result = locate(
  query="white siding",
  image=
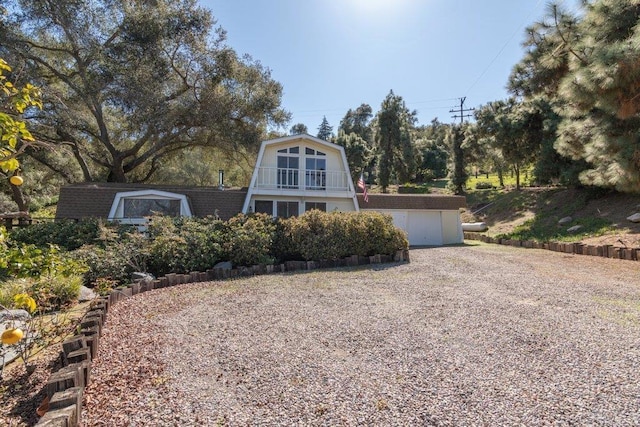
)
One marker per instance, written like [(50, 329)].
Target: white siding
[(451, 228)]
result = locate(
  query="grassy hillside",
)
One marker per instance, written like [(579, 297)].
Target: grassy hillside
[(533, 213)]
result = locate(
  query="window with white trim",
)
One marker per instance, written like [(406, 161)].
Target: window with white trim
[(288, 167), (287, 209), (321, 206), (263, 206), (315, 170), (134, 207)]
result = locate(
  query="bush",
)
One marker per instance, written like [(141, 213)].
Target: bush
[(483, 185), (66, 234), (248, 239), (319, 235), (315, 235), (182, 245), (53, 293), (413, 189), (117, 262)]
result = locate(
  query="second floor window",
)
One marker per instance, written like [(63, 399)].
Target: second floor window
[(316, 175), (288, 171)]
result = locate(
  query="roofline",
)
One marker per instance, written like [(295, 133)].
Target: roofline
[(304, 136)]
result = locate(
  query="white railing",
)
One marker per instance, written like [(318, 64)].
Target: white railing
[(300, 179)]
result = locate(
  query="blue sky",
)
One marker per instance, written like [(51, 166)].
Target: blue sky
[(332, 55)]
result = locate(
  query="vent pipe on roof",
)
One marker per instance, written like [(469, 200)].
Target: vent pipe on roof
[(221, 179)]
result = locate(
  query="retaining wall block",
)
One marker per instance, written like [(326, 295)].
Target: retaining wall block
[(97, 313), (77, 356), (92, 321), (69, 397), (91, 334), (172, 279), (63, 417), (74, 343), (64, 378)]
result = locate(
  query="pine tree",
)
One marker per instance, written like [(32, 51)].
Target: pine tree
[(457, 171), (601, 94), (393, 128), (325, 131), (358, 121)]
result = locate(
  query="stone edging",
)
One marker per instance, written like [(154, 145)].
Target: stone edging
[(66, 386), (606, 251)]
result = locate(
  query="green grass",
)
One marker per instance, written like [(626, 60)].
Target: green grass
[(494, 181), (549, 207), (541, 230)]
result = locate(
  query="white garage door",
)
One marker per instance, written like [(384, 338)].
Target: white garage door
[(424, 228)]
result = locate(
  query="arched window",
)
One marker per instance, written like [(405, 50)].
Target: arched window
[(134, 207)]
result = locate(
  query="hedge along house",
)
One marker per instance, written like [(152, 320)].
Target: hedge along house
[(293, 174)]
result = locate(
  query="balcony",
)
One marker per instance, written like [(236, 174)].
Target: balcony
[(299, 179)]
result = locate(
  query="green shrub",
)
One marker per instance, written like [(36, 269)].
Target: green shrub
[(182, 245), (413, 189), (315, 235), (483, 185), (319, 235), (66, 234), (282, 248), (53, 293), (115, 262), (248, 239)]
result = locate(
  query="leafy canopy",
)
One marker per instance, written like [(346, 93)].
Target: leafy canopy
[(127, 85)]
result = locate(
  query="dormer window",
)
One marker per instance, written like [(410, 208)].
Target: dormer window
[(290, 150), (134, 207), (311, 152)]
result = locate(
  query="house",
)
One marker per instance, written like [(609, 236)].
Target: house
[(293, 174), (298, 173)]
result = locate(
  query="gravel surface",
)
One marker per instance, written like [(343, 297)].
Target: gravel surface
[(474, 335)]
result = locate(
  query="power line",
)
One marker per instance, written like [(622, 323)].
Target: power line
[(518, 30), (462, 111)]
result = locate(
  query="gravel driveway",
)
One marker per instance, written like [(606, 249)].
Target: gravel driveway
[(474, 335)]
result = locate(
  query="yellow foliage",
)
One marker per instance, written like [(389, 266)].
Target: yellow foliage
[(25, 301)]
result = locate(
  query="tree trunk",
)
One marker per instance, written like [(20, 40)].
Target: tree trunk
[(116, 172), (18, 197), (516, 171)]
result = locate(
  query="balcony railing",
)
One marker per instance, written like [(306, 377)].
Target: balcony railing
[(300, 179)]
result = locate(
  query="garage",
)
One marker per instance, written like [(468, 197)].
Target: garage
[(429, 220)]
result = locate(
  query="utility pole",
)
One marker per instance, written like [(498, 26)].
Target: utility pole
[(462, 111)]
